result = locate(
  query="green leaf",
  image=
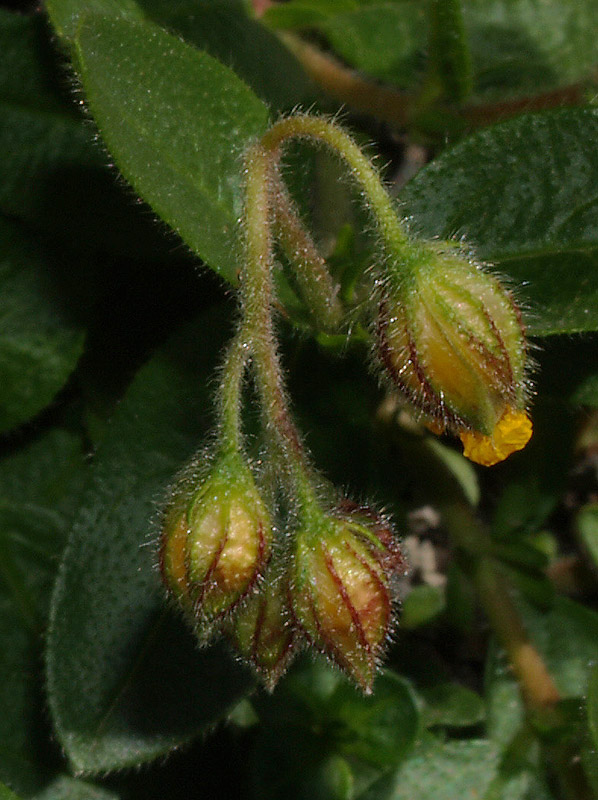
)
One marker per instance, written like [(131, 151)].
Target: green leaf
[(64, 788), (439, 770), (531, 484), (384, 40), (318, 732), (451, 704), (224, 29), (304, 13), (523, 194), (421, 606), (40, 341), (39, 484), (126, 682), (449, 60), (180, 141), (505, 713), (567, 639), (460, 468), (587, 529), (524, 47), (66, 14), (53, 176)]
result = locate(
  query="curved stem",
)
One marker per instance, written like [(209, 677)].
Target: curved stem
[(258, 323), (315, 282), (347, 86), (378, 200)]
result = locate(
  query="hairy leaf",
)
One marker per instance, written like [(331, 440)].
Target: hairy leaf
[(38, 487), (224, 29), (453, 705), (523, 194), (126, 681), (64, 788), (180, 141)]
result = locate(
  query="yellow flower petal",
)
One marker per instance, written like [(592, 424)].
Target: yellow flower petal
[(512, 432)]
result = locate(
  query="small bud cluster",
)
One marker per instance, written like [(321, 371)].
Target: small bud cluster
[(448, 335), (332, 591)]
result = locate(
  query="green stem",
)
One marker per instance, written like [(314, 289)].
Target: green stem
[(258, 324), (377, 198), (315, 282), (230, 391)]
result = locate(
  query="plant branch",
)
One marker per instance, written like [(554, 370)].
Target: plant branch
[(381, 206), (230, 390), (313, 277), (492, 585), (258, 325), (396, 107)]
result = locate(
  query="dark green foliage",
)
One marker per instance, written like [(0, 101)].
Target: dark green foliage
[(111, 327)]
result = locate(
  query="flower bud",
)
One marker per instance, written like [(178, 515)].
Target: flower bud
[(263, 633), (451, 338), (341, 594), (216, 541)]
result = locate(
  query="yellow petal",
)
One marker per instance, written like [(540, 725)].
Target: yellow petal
[(512, 432)]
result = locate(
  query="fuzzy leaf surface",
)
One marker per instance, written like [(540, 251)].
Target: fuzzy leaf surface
[(39, 484), (440, 771), (523, 194), (65, 788), (179, 141), (225, 30), (126, 681)]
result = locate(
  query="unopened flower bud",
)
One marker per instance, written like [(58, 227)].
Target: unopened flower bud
[(341, 593), (451, 338), (263, 633), (216, 541)]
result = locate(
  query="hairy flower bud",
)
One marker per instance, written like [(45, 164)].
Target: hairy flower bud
[(216, 541), (452, 340), (263, 633), (340, 591)]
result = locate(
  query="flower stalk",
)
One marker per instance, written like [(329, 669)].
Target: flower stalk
[(313, 278), (258, 325)]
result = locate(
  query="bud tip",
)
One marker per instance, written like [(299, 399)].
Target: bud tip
[(511, 433)]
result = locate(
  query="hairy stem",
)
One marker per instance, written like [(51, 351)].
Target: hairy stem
[(258, 326), (315, 282), (230, 391), (377, 198)]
